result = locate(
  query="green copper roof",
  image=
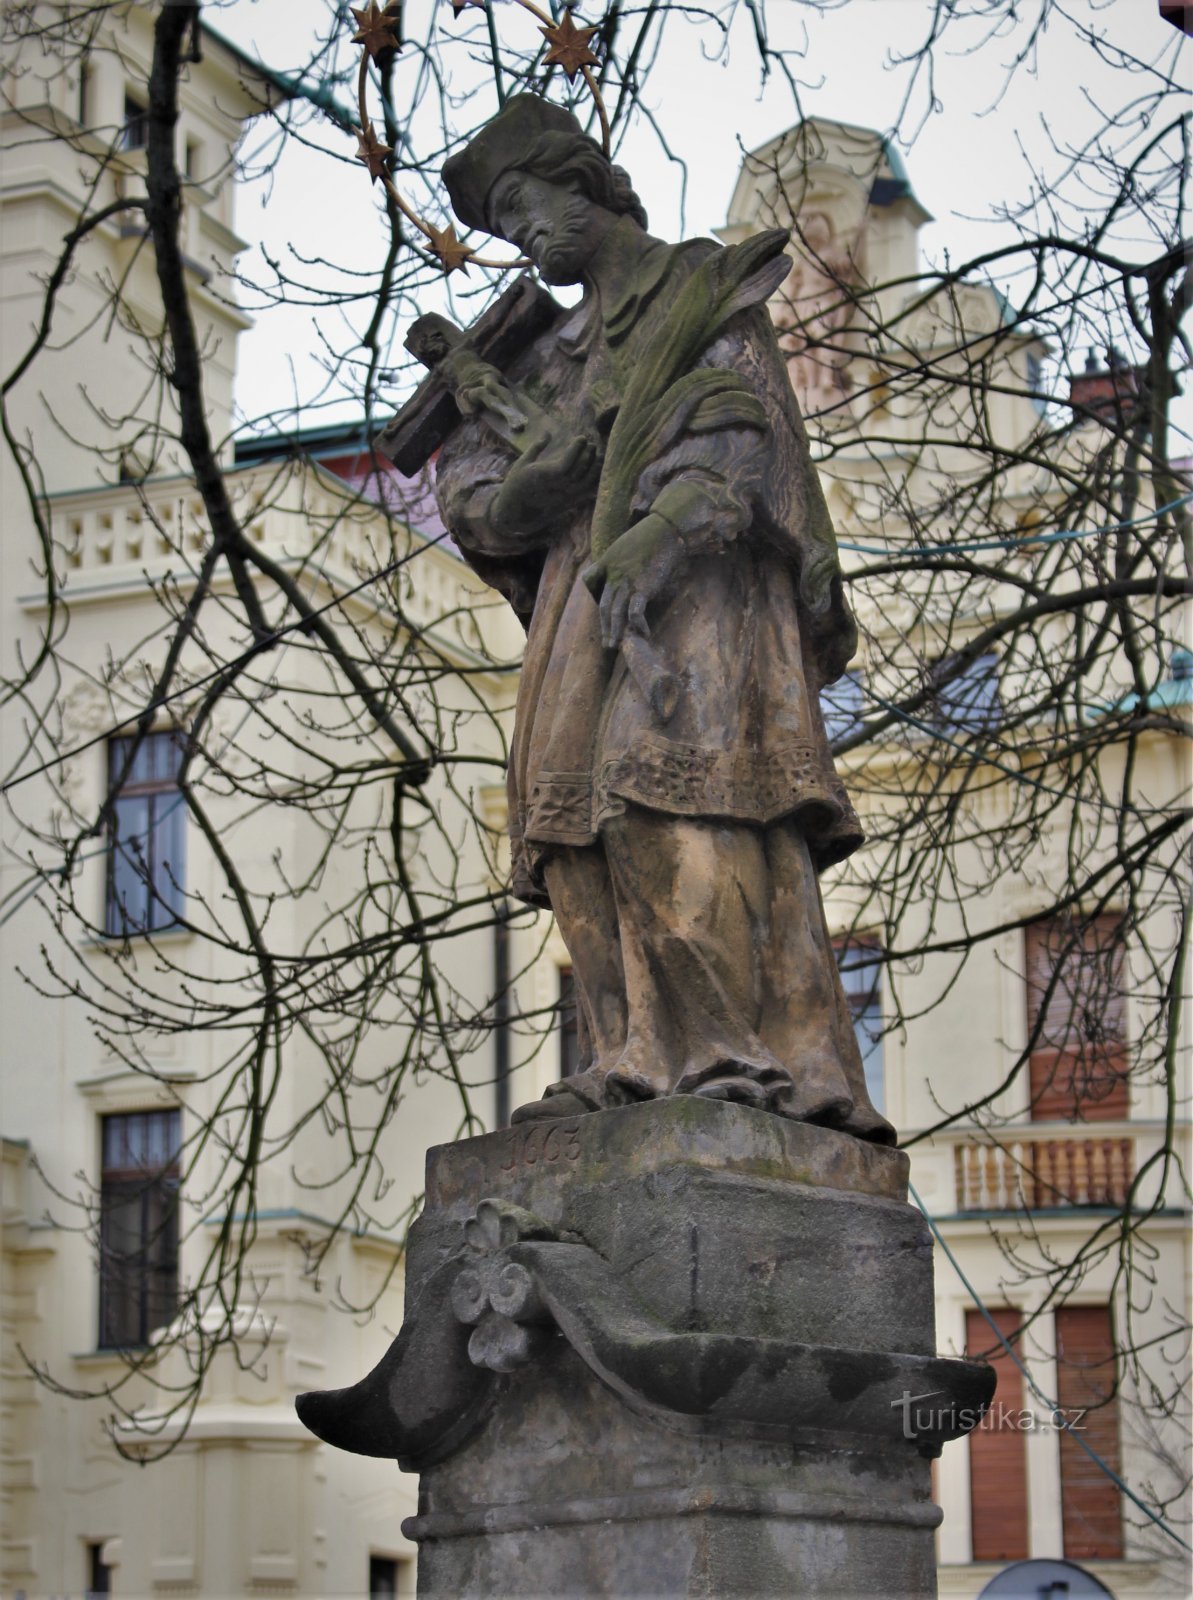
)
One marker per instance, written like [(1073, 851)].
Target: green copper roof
[(1173, 693), (895, 162)]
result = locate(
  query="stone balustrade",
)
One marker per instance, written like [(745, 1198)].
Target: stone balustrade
[(128, 534), (1042, 1170)]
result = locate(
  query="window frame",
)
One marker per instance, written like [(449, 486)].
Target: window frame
[(860, 1003), (1091, 1504), (949, 712), (387, 1568), (163, 876), (1078, 1078), (99, 1573), (568, 1022), (842, 721), (138, 1287), (134, 128), (999, 1486)]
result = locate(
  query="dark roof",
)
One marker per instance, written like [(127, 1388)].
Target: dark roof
[(330, 438), (290, 86), (344, 449)]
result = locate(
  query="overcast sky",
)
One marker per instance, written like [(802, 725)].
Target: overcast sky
[(967, 145)]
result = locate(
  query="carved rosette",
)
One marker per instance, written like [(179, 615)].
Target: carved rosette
[(494, 1296)]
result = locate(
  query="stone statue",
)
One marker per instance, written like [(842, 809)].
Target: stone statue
[(654, 1341), (636, 481)]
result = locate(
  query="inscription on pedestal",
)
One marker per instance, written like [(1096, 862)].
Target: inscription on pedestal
[(465, 1173), (558, 1141), (632, 1141)]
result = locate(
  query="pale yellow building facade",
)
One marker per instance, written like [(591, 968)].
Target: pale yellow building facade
[(248, 1502), (885, 444)]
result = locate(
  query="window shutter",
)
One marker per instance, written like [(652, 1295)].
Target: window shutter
[(1075, 974), (997, 1450), (1091, 1504)]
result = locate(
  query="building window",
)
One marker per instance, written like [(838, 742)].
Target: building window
[(841, 706), (383, 1578), (569, 1025), (998, 1448), (1035, 382), (389, 1578), (99, 1573), (1086, 1383), (192, 160), (147, 858), (1076, 1018), (860, 964), (138, 1231), (83, 106), (134, 131), (969, 703)]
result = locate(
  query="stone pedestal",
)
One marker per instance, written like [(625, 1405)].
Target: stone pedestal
[(678, 1349)]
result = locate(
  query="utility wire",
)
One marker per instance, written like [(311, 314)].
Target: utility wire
[(1012, 543), (1057, 1416), (301, 623)]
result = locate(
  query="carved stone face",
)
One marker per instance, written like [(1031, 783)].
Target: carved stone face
[(552, 223)]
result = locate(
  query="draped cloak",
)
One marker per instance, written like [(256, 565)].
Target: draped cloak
[(753, 626)]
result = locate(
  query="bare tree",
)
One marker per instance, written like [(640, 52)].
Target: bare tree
[(1022, 589)]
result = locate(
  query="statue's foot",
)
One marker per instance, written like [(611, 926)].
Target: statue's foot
[(819, 1097), (829, 1110), (620, 1085), (741, 1091), (571, 1097), (863, 1122), (602, 1091)]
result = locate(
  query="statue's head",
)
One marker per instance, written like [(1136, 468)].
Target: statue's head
[(534, 177)]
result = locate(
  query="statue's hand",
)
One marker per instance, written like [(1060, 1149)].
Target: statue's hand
[(636, 569), (545, 482)]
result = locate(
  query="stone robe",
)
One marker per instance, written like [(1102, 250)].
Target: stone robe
[(680, 857)]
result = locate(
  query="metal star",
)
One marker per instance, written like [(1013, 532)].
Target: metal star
[(375, 28), (569, 46), (452, 254), (373, 153), (463, 5)]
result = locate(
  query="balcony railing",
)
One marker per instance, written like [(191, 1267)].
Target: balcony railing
[(1042, 1170)]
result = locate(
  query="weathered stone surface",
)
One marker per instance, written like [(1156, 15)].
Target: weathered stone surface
[(630, 1369), (646, 1140), (632, 474), (717, 1215), (566, 1493)]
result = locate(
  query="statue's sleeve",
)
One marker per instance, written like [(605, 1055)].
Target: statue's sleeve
[(469, 471), (712, 476)]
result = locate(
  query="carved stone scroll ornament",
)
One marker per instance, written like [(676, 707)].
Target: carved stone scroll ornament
[(516, 1286)]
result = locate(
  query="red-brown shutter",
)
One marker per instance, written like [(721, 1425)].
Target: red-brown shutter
[(1078, 1058), (1092, 1507), (998, 1450)]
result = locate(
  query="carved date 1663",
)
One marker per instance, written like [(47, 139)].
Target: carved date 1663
[(554, 1142)]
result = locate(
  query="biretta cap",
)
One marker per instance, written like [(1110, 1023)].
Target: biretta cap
[(499, 147)]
